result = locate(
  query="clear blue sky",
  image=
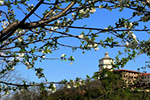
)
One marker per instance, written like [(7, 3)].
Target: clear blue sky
[(87, 63)]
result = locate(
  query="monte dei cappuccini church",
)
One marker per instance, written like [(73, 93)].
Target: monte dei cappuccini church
[(129, 76)]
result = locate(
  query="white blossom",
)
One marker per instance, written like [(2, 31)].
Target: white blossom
[(147, 90), (28, 67), (125, 25), (12, 68), (2, 54), (5, 87), (106, 28), (42, 51), (58, 21), (133, 36), (80, 83), (50, 90), (54, 85), (148, 1), (19, 32), (95, 45), (54, 91), (7, 22), (89, 1), (21, 90), (27, 63), (87, 10), (63, 55), (130, 33), (100, 6), (21, 54), (74, 86), (1, 2), (127, 44), (130, 25), (72, 57), (92, 10), (81, 36), (19, 39), (68, 86), (73, 15), (43, 56), (54, 12), (69, 19), (105, 75), (81, 11), (96, 48), (3, 26), (55, 27), (52, 28), (29, 38), (90, 45), (15, 58)]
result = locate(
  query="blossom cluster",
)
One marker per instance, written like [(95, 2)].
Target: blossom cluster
[(95, 46), (4, 24), (133, 43), (1, 2), (128, 25), (30, 7), (74, 84), (28, 65), (52, 88), (92, 10)]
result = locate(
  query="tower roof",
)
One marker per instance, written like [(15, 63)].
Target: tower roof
[(106, 56)]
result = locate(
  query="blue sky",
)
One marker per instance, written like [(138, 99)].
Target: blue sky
[(87, 63)]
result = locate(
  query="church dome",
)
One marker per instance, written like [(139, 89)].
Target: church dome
[(106, 62)]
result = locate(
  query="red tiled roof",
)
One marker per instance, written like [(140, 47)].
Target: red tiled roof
[(127, 70), (144, 74), (119, 70)]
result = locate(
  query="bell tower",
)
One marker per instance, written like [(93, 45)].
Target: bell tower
[(105, 62)]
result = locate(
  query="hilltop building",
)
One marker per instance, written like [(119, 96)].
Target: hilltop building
[(106, 62), (128, 76)]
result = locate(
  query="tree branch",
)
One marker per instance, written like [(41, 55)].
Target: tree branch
[(10, 30)]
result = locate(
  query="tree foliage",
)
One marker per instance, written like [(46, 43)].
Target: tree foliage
[(110, 87), (41, 27)]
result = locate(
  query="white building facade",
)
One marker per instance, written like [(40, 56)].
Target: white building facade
[(106, 62)]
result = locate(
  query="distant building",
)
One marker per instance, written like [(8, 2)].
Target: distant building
[(106, 62), (145, 77), (129, 76)]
